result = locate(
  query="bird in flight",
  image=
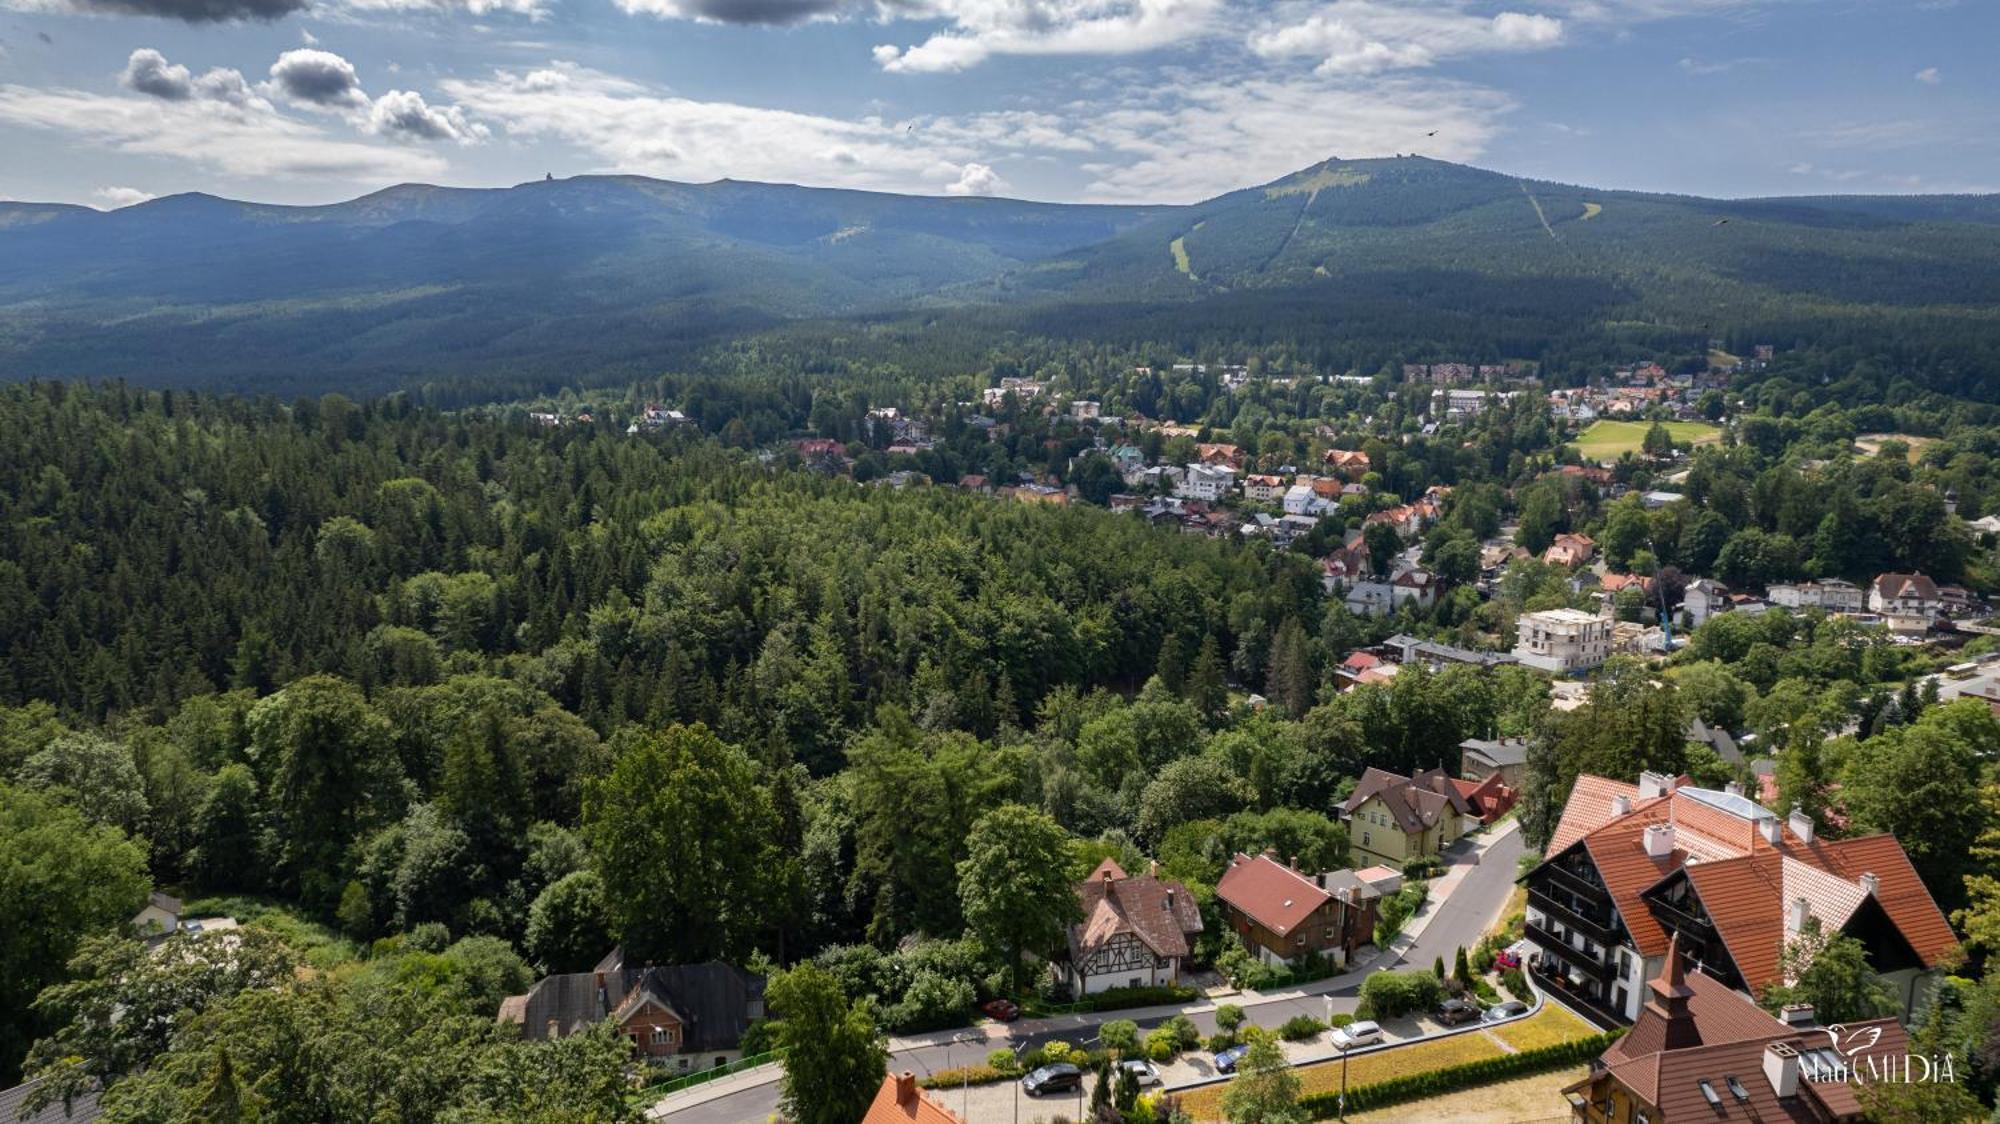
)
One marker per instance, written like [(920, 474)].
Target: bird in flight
[(1719, 222), (1432, 133)]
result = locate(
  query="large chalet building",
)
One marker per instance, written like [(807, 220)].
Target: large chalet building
[(1282, 913), (1135, 931), (1701, 1051), (1630, 868)]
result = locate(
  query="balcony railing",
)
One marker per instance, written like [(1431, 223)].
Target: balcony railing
[(1679, 918), (1597, 927), (1573, 882), (1547, 941)]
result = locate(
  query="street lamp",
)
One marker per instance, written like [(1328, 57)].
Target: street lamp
[(965, 1075), (1343, 1078), (1017, 1082)]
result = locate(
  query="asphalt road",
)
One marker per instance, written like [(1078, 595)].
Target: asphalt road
[(1459, 922)]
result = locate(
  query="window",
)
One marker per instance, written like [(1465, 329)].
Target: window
[(1364, 839), (1736, 1089), (660, 1037), (1708, 1094)]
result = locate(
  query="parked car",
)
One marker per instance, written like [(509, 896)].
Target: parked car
[(1061, 1077), (1357, 1034), (1143, 1071), (1456, 1012), (1506, 958), (1225, 1061), (1507, 1010), (1001, 1010)]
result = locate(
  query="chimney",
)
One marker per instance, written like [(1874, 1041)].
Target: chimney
[(1733, 788), (1770, 829), (1801, 824), (1293, 862), (1320, 879), (1871, 885), (1659, 840), (1781, 1069), (1654, 784), (1798, 1015), (1153, 868), (1795, 921), (1107, 876), (906, 1087), (1621, 806)]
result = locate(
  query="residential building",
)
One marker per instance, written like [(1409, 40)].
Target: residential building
[(1367, 598), (1301, 499), (1259, 488), (1630, 866), (1702, 599), (1435, 656), (1282, 914), (1219, 454), (1832, 595), (160, 915), (1350, 463), (1205, 482), (1700, 1052), (681, 1011), (1506, 758), (1905, 595), (1392, 819), (1562, 641), (901, 1101), (1085, 410), (1347, 564), (1135, 931), (1570, 550)]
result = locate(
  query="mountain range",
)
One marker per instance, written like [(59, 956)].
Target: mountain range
[(601, 274)]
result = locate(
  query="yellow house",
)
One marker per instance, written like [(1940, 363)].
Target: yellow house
[(1392, 819)]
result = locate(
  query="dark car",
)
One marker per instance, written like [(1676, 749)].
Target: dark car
[(1503, 1011), (1455, 1012), (1000, 1010), (1061, 1077), (1225, 1061)]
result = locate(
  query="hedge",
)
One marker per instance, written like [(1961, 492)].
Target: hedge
[(963, 1075), (1437, 1082), (1119, 998)]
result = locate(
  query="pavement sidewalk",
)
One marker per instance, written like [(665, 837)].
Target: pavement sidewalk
[(988, 1036)]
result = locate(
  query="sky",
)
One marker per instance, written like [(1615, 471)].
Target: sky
[(113, 102)]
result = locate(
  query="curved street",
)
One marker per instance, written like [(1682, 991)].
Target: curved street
[(1466, 902)]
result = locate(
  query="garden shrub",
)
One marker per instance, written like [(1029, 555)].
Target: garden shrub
[(1300, 1028)]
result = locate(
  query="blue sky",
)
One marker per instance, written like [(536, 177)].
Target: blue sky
[(108, 102)]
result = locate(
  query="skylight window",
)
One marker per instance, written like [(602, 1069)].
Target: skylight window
[(1736, 1089), (1709, 1094)]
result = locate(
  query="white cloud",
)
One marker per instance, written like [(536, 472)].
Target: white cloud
[(246, 138), (116, 197), (976, 179), (1930, 76), (403, 115), (635, 128), (309, 76), (1362, 37), (536, 10), (984, 28)]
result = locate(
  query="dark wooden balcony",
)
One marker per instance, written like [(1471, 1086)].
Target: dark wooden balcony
[(1547, 942), (1595, 924)]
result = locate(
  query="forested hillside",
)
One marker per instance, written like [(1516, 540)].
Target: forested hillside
[(601, 279)]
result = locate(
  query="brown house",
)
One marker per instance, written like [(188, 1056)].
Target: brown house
[(1135, 931), (664, 1010), (1701, 1051), (1283, 914)]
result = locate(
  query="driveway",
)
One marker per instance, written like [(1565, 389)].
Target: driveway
[(1465, 903)]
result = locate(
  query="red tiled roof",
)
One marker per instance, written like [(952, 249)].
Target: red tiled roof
[(1271, 893), (1588, 808), (1416, 802), (900, 1101)]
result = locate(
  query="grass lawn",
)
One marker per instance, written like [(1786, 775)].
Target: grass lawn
[(1551, 1025), (1518, 1101), (320, 946), (1608, 440)]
